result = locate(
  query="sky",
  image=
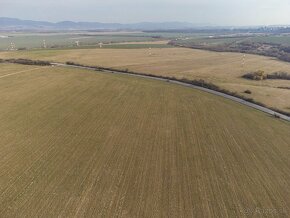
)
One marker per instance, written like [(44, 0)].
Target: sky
[(213, 12)]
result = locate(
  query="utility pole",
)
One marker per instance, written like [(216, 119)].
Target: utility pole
[(243, 63), (44, 43), (12, 46)]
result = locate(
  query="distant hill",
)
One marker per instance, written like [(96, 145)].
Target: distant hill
[(17, 24)]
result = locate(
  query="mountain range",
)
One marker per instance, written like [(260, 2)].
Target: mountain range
[(18, 24)]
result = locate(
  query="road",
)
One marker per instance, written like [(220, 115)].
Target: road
[(239, 100)]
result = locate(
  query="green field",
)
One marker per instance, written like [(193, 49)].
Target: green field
[(86, 39), (210, 41), (77, 143), (221, 40), (277, 39), (68, 40)]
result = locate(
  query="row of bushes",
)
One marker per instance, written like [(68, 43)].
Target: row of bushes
[(279, 75), (258, 75), (261, 75), (200, 83), (28, 62), (283, 87)]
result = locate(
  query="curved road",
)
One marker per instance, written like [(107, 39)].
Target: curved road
[(239, 100)]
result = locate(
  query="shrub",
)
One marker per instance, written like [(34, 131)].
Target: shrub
[(28, 62), (279, 75), (22, 49), (283, 87), (257, 75), (70, 63)]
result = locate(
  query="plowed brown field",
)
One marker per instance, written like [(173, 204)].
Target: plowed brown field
[(77, 143)]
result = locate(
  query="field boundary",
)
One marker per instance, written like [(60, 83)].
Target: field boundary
[(187, 83), (19, 72)]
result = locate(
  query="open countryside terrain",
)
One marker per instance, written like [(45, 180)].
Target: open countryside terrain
[(279, 39), (26, 40), (223, 69), (78, 143)]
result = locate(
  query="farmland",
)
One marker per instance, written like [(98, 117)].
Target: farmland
[(277, 46), (223, 69), (77, 143), (228, 39), (68, 39)]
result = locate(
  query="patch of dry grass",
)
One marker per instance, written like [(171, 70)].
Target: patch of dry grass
[(223, 69), (163, 42), (76, 143)]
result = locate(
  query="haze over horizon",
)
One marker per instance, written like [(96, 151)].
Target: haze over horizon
[(214, 12)]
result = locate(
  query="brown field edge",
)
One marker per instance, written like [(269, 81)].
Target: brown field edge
[(203, 85)]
